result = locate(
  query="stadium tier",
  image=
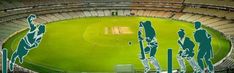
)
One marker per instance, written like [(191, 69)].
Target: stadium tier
[(225, 3), (210, 12), (218, 15)]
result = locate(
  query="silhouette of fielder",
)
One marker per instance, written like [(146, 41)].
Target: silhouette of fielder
[(186, 52), (205, 49), (29, 41)]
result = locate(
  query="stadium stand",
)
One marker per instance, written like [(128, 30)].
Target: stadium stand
[(226, 3), (217, 14), (226, 65)]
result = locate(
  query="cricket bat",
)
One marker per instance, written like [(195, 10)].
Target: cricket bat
[(141, 45)]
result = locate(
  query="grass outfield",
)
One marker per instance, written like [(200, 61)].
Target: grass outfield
[(91, 45)]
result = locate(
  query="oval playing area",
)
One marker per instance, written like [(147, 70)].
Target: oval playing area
[(98, 44)]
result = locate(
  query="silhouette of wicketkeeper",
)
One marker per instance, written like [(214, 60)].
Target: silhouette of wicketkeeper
[(29, 41), (186, 52), (151, 47), (205, 49)]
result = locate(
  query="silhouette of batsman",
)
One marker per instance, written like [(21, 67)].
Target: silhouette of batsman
[(29, 41), (151, 47)]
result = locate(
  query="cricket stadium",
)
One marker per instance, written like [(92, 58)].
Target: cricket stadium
[(100, 36)]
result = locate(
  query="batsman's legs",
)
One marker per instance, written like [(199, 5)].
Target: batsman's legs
[(144, 61), (153, 60), (155, 64), (146, 65), (182, 64)]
